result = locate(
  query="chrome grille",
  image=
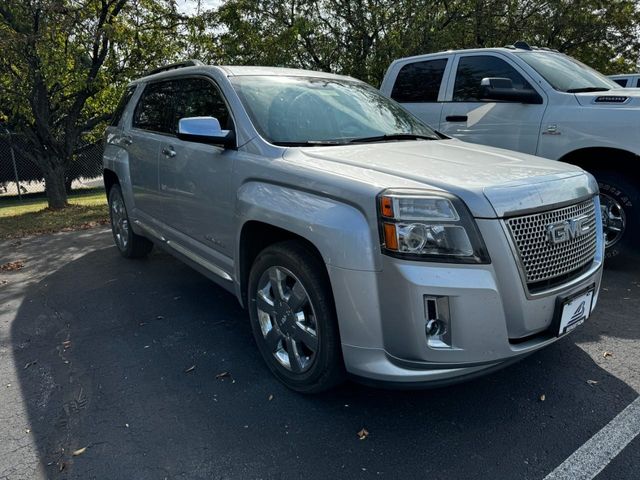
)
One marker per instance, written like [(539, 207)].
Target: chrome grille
[(543, 261)]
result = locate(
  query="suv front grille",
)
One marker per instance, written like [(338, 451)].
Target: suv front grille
[(544, 263)]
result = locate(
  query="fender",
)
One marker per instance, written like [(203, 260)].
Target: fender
[(339, 231)]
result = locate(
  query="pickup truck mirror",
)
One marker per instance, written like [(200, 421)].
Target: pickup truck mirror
[(204, 130), (502, 89)]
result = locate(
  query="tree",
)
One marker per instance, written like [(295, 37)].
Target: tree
[(361, 37), (63, 65)]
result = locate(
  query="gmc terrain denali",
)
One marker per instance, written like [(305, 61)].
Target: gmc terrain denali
[(360, 240)]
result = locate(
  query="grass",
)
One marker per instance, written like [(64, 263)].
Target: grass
[(32, 217)]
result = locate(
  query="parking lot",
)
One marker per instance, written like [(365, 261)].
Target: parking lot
[(147, 370)]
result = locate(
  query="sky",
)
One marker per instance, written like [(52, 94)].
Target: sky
[(190, 6)]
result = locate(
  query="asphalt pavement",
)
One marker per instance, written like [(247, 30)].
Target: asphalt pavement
[(147, 370)]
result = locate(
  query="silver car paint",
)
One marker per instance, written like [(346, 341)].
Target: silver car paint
[(327, 196)]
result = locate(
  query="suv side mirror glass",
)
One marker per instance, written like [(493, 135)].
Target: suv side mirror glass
[(204, 130), (502, 89)]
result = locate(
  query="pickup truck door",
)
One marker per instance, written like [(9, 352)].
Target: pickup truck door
[(196, 178), (469, 117), (418, 86)]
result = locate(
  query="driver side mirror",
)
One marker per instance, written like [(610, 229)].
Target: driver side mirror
[(204, 130), (502, 89)]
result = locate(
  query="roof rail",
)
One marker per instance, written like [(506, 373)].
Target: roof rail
[(175, 66), (522, 45)]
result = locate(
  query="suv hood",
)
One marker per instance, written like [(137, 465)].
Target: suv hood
[(491, 181), (630, 98)]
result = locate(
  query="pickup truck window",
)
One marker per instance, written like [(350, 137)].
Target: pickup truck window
[(153, 111), (565, 73), (472, 69), (621, 81), (198, 97), (297, 111), (419, 82)]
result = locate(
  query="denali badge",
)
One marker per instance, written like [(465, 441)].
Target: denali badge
[(566, 230)]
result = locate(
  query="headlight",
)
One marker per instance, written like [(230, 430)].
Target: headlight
[(423, 225)]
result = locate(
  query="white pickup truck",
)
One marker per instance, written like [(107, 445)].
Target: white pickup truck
[(536, 101)]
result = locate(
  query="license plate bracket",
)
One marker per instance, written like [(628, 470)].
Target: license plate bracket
[(572, 311)]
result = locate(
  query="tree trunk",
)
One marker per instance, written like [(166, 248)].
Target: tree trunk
[(54, 181)]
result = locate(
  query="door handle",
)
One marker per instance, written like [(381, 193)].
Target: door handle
[(169, 152), (126, 140), (456, 118)]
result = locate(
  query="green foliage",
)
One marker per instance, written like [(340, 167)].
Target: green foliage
[(361, 37)]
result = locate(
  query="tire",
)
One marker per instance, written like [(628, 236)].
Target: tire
[(129, 244), (620, 201), (306, 354)]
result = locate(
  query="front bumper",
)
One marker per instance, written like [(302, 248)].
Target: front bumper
[(494, 320)]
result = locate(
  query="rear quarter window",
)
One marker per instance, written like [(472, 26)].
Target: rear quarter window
[(621, 81), (419, 82)]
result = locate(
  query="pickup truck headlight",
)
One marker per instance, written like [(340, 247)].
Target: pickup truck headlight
[(424, 225)]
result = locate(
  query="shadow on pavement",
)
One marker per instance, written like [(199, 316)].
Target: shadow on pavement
[(114, 340)]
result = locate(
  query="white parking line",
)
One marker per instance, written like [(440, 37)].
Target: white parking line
[(592, 457)]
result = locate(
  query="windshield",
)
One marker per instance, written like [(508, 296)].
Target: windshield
[(303, 110), (565, 73)]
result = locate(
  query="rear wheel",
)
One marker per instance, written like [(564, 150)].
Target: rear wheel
[(293, 318), (129, 244), (620, 206)]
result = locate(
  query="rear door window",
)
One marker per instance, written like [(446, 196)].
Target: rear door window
[(122, 105), (198, 97), (419, 82), (153, 111), (472, 69)]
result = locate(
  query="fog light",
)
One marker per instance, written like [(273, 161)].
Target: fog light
[(438, 322)]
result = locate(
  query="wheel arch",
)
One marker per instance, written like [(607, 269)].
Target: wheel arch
[(110, 179), (255, 236), (594, 159)]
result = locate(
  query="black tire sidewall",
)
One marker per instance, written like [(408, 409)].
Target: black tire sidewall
[(628, 196), (327, 369)]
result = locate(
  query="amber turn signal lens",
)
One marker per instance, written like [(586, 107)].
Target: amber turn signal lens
[(390, 238), (386, 207)]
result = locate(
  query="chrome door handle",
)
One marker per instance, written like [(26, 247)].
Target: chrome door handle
[(169, 152), (126, 140)]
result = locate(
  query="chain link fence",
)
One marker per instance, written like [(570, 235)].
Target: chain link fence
[(19, 176)]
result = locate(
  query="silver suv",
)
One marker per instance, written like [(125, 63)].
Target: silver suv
[(361, 241)]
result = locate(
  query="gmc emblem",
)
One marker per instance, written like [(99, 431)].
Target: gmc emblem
[(566, 230)]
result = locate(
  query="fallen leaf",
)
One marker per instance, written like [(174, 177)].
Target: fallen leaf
[(362, 434), (30, 364), (61, 466), (80, 451), (66, 344), (190, 369), (159, 317), (592, 382), (12, 266), (607, 354), (270, 397), (3, 282), (223, 375), (543, 397), (28, 430)]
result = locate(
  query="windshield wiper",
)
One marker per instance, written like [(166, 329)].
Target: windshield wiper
[(588, 89), (309, 143), (393, 136)]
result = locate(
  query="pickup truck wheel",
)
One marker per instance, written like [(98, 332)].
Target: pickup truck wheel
[(129, 244), (293, 318), (620, 206)]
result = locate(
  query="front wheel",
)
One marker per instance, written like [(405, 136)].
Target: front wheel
[(293, 318), (620, 207)]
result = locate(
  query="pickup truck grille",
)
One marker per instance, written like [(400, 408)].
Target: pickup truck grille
[(545, 263)]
